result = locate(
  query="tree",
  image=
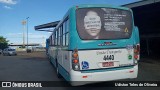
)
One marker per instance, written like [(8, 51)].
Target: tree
[(3, 42)]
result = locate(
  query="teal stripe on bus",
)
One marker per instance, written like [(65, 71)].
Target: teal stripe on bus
[(64, 73)]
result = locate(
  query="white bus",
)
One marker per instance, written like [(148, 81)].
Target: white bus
[(95, 43)]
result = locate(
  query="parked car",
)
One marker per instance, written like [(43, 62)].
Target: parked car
[(29, 49), (9, 51)]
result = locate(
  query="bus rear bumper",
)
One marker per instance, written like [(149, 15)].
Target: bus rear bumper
[(81, 78)]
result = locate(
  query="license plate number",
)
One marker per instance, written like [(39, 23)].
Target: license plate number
[(108, 64), (108, 57)]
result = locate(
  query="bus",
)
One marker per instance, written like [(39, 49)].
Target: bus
[(95, 43)]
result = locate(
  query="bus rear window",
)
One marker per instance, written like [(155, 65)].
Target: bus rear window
[(103, 23)]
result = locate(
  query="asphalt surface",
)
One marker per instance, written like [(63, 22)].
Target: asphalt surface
[(36, 67), (26, 67)]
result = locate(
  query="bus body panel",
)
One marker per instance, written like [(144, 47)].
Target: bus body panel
[(107, 58), (64, 59), (104, 75), (53, 55)]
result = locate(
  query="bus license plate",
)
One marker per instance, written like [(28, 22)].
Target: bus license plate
[(108, 64)]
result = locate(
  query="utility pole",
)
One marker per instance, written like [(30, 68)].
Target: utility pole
[(27, 33), (23, 23)]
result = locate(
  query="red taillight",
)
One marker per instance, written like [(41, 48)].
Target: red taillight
[(138, 48), (136, 51), (75, 60), (75, 55), (136, 56)]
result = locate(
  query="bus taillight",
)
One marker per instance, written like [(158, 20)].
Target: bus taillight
[(75, 60), (136, 52), (136, 57), (138, 48), (75, 55)]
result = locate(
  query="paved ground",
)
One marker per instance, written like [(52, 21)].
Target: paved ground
[(26, 67), (36, 67)]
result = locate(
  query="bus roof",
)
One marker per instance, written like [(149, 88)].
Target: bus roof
[(100, 5)]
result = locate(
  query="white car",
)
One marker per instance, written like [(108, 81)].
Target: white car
[(9, 51)]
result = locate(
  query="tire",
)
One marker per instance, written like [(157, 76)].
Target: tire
[(57, 71)]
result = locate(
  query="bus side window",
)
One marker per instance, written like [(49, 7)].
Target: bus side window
[(52, 39), (61, 35), (56, 38), (67, 32), (59, 32), (64, 31)]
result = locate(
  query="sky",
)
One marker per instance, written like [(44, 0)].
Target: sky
[(13, 12)]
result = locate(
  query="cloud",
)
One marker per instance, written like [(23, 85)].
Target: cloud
[(14, 34), (7, 7), (8, 1), (37, 36)]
